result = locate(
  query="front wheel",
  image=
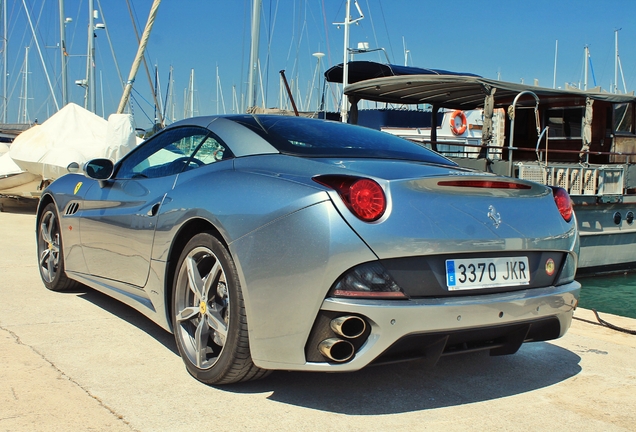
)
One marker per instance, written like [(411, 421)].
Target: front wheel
[(209, 321), (50, 254)]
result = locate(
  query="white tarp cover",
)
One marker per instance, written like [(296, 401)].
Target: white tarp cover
[(8, 166), (73, 134)]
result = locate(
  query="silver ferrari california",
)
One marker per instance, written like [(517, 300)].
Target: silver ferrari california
[(272, 242)]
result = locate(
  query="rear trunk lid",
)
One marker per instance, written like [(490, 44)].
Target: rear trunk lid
[(445, 210)]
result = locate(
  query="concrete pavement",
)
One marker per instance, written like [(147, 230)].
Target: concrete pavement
[(81, 361)]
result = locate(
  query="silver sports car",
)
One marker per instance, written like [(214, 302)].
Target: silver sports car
[(272, 242)]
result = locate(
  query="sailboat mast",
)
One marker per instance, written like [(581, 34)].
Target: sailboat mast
[(344, 106), (63, 53), (191, 93), (256, 29), (4, 62), (616, 61), (24, 112), (556, 55), (89, 95), (586, 63)]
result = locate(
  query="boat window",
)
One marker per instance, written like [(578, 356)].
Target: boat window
[(565, 123), (623, 118)]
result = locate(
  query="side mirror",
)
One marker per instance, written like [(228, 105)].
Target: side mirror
[(99, 169)]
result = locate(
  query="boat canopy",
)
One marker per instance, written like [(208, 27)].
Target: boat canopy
[(463, 92), (366, 70)]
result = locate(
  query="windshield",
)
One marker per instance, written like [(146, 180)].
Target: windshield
[(305, 137)]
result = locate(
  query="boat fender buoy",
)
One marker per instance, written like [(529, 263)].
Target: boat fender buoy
[(458, 130)]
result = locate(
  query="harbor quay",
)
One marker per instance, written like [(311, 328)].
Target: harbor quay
[(82, 361)]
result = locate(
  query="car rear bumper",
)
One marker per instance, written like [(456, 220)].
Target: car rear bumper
[(431, 327)]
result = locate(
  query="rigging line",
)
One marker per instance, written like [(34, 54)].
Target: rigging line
[(41, 36), (243, 44), (150, 104), (293, 35), (132, 97), (110, 44), (388, 35), (107, 85), (17, 66), (270, 37), (326, 28), (168, 89), (296, 67), (375, 36), (48, 79), (69, 46)]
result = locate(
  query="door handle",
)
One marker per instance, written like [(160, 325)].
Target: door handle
[(154, 210)]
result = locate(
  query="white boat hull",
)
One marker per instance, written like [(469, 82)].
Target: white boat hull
[(23, 184)]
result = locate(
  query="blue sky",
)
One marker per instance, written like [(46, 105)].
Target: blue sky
[(513, 40)]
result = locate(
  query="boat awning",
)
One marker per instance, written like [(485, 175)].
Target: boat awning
[(365, 70), (465, 92)]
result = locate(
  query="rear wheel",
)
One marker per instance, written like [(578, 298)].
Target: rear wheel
[(50, 255), (209, 321)]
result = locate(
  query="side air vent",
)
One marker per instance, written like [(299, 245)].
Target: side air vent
[(71, 209)]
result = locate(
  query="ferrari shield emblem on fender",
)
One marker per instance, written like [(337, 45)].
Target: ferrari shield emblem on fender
[(494, 215), (77, 188)]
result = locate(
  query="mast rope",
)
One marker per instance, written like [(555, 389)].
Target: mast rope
[(388, 35)]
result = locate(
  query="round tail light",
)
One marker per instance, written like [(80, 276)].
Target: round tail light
[(367, 199), (563, 203), (364, 197)]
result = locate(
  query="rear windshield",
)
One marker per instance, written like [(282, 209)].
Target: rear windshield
[(304, 137)]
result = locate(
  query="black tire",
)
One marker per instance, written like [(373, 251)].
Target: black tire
[(209, 322), (50, 252)]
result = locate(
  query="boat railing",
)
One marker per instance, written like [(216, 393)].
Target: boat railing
[(495, 151), (578, 180)]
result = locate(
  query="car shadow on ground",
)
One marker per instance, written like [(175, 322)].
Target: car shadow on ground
[(413, 386), (127, 314), (390, 389)]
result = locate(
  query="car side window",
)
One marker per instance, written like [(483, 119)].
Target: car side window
[(211, 150), (171, 152)]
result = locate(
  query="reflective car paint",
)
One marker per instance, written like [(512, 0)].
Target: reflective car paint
[(291, 238)]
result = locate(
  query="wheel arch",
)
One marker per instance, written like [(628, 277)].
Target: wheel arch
[(183, 236), (45, 200)]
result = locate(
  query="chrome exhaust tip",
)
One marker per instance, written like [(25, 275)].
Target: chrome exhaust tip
[(348, 326), (337, 350)]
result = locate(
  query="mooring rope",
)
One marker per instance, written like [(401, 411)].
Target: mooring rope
[(606, 324)]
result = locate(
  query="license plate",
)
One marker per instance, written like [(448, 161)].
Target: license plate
[(486, 272)]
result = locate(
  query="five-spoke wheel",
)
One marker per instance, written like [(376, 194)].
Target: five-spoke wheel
[(50, 254), (209, 320)]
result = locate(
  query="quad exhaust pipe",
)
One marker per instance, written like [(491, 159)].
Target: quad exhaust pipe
[(348, 326), (336, 350)]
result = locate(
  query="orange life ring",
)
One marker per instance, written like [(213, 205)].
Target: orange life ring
[(458, 130)]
